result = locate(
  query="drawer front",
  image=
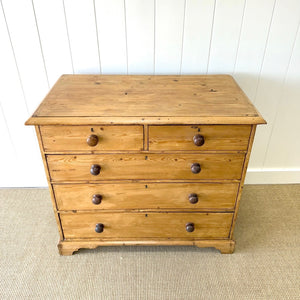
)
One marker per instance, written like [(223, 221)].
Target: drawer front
[(140, 166), (92, 138), (199, 138), (170, 196), (146, 225)]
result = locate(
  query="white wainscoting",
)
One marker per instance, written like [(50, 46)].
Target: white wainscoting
[(258, 42)]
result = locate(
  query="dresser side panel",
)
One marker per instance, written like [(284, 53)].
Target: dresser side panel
[(245, 165), (57, 218)]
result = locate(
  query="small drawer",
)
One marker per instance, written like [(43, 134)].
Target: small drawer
[(199, 138), (64, 168), (146, 225), (154, 196), (92, 138)]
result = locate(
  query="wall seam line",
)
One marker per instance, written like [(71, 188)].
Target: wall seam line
[(15, 59), (182, 39), (154, 36), (281, 96), (40, 42), (264, 54), (67, 29), (99, 57), (126, 44), (239, 40), (211, 36), (9, 133)]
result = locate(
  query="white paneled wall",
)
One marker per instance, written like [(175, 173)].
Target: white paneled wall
[(258, 42)]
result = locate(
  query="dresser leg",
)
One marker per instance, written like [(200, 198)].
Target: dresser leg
[(66, 248), (224, 246)]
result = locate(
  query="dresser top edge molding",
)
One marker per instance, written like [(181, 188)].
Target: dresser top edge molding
[(145, 99)]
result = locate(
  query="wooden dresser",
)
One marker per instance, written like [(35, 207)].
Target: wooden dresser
[(145, 160)]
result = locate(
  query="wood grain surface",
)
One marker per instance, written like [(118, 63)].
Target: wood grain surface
[(216, 137), (126, 225), (69, 246), (85, 96), (139, 196), (150, 160), (54, 203), (140, 166), (74, 138)]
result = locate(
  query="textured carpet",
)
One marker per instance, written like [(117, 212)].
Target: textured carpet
[(265, 265)]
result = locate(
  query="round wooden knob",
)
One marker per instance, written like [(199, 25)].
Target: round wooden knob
[(92, 140), (189, 227), (99, 228), (95, 170), (97, 199), (196, 168), (193, 198), (198, 140)]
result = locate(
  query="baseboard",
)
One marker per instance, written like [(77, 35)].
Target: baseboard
[(272, 176)]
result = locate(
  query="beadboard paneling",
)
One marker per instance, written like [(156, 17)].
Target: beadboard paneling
[(111, 28), (274, 70), (197, 36), (258, 42), (81, 23), (286, 126), (169, 21), (252, 45), (225, 36), (54, 39), (19, 148), (25, 40), (140, 27)]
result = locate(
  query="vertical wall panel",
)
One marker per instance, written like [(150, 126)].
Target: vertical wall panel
[(169, 17), (197, 33), (252, 45), (140, 36), (81, 24), (54, 38), (284, 147), (19, 149), (225, 36), (7, 154), (256, 41), (111, 34), (25, 40), (278, 52)]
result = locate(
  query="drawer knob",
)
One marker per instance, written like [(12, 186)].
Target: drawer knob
[(95, 170), (196, 168), (198, 140), (99, 228), (190, 227), (92, 140), (97, 199), (193, 198)]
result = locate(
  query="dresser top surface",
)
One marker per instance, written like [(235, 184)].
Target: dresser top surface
[(140, 99)]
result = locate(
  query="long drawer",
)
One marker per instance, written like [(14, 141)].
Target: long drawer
[(168, 196), (198, 137), (92, 138), (146, 225), (139, 166)]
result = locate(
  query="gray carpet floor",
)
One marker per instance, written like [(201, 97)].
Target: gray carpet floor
[(265, 265)]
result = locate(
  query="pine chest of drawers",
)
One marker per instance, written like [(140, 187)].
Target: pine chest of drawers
[(145, 160)]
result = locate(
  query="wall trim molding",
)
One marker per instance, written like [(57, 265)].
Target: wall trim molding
[(272, 176)]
